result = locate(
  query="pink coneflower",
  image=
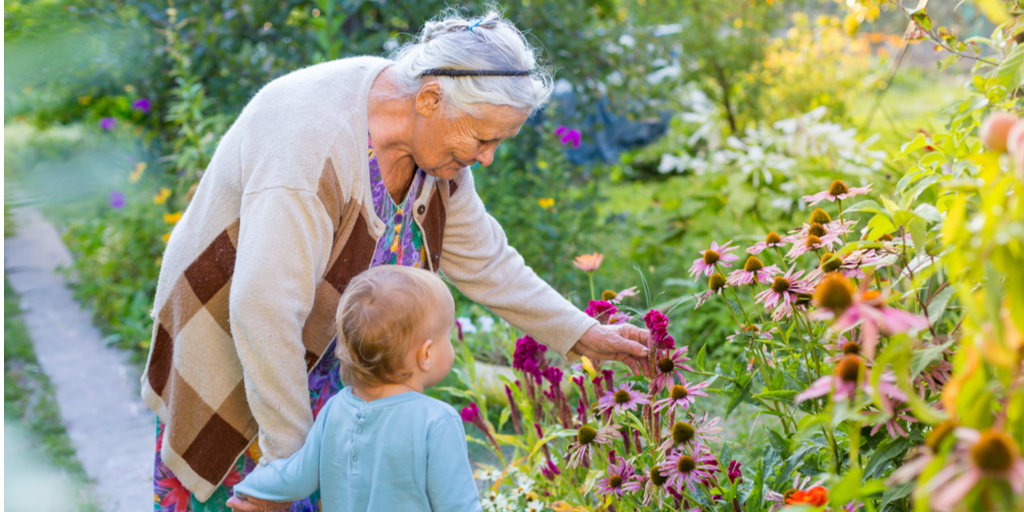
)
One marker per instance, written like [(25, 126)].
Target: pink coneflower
[(843, 384), (837, 191), (799, 485), (919, 457), (772, 240), (891, 422), (693, 434), (751, 332), (784, 290), (785, 310), (628, 292), (841, 348), (685, 468), (753, 271), (621, 478), (708, 258), (669, 370), (589, 262), (621, 400), (990, 454), (804, 245), (681, 395), (850, 265), (935, 375), (827, 234), (716, 283), (837, 298), (582, 449)]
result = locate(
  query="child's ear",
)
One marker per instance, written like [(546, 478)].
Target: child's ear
[(423, 355)]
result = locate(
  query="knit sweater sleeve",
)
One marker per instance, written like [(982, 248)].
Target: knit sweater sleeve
[(478, 260), (284, 244)]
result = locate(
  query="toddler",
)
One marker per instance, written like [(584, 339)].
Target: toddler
[(380, 444)]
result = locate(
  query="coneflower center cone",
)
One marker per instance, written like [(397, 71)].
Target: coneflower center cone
[(788, 494), (772, 238), (813, 241), (780, 284), (586, 435), (622, 396), (851, 347), (710, 257), (820, 216), (938, 433), (682, 432), (830, 262), (834, 292), (657, 478), (837, 188), (614, 481), (686, 464), (817, 230), (849, 368), (716, 282), (994, 451), (753, 264), (666, 365), (678, 392), (608, 295), (885, 238)]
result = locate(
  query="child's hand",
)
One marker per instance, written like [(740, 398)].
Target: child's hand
[(242, 503)]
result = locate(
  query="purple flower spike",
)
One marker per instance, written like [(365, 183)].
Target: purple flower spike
[(470, 413), (116, 199), (142, 104), (108, 123)]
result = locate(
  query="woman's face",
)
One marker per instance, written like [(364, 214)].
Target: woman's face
[(443, 145)]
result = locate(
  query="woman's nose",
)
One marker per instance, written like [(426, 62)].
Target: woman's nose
[(486, 156)]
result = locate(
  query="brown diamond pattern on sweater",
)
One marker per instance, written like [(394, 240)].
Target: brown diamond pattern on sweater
[(182, 304), (161, 361), (355, 257), (329, 193), (433, 226), (213, 268), (453, 186), (216, 447), (235, 410)]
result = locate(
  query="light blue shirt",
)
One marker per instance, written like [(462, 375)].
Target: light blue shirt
[(406, 452)]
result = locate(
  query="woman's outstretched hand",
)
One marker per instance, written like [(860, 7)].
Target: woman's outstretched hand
[(624, 342), (250, 504)]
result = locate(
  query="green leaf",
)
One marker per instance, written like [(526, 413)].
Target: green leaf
[(739, 394), (780, 395), (886, 451), (1011, 70), (847, 489), (864, 206), (698, 362), (939, 303), (919, 142), (896, 492)]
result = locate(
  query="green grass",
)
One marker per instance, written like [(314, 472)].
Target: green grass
[(29, 400)]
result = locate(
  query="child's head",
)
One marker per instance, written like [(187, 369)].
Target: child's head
[(395, 323)]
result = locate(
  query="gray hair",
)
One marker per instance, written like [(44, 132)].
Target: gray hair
[(488, 43)]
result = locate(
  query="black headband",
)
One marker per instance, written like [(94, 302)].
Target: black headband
[(475, 72)]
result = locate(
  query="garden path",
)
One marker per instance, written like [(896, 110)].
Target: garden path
[(96, 387)]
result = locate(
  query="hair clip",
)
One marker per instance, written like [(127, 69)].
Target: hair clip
[(475, 72), (478, 22)]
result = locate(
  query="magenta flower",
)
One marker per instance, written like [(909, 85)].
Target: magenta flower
[(693, 434), (784, 290), (681, 395), (753, 271), (708, 258), (569, 136), (116, 199), (528, 356), (108, 123), (621, 400), (985, 456), (471, 414), (837, 191), (772, 240), (621, 478), (669, 370), (657, 324), (550, 470), (684, 468), (735, 472), (142, 104), (891, 420), (605, 312)]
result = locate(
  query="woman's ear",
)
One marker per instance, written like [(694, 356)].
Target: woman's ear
[(428, 100), (423, 359)]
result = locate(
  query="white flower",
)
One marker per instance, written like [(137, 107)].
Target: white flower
[(486, 323), (524, 484), (466, 324), (494, 501), (487, 475), (535, 506)]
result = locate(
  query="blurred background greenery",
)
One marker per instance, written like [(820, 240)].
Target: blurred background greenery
[(700, 121)]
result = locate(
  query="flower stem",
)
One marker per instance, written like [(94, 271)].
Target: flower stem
[(590, 275)]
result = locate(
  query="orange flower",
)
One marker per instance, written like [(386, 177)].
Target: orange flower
[(817, 496), (589, 262)]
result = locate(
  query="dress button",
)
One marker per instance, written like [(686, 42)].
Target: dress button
[(359, 430), (421, 209), (355, 458)]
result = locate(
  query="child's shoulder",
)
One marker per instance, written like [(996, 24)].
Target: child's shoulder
[(436, 409)]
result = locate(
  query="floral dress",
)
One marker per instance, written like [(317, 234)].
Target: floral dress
[(401, 244)]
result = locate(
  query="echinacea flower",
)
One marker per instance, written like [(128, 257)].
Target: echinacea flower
[(841, 348), (652, 486), (691, 433), (843, 383), (569, 136), (716, 283), (589, 262), (108, 123), (891, 420), (751, 332), (799, 485), (582, 449), (919, 457), (621, 400), (753, 271), (685, 468), (621, 478), (717, 254), (681, 395), (837, 191), (772, 240), (837, 298), (669, 369), (116, 199), (803, 245), (784, 290), (990, 455)]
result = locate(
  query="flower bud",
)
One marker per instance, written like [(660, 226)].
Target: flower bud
[(994, 130)]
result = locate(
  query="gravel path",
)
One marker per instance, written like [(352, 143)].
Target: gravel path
[(97, 389)]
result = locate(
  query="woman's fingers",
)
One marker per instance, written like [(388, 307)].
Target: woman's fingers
[(626, 343), (250, 504)]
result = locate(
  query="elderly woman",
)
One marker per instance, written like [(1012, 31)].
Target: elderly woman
[(327, 172)]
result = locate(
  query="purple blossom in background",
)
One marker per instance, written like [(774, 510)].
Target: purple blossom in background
[(553, 375), (142, 104), (734, 471), (470, 413), (601, 310), (108, 123), (657, 323), (528, 356), (568, 136), (116, 199)]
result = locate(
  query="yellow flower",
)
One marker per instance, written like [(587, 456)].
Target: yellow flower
[(254, 452), (136, 174), (546, 202), (172, 218), (588, 366), (542, 164), (84, 100), (166, 237), (161, 198)]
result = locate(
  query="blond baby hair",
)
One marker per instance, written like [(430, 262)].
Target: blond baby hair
[(382, 313)]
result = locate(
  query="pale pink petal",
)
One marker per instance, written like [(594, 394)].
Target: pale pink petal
[(948, 496), (818, 388)]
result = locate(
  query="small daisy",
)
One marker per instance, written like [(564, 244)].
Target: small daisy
[(753, 271), (837, 191), (621, 400), (772, 240), (693, 434), (716, 254), (716, 283), (799, 485), (621, 478), (535, 506), (989, 455), (681, 395), (487, 475), (669, 370), (784, 290), (686, 468), (582, 449)]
